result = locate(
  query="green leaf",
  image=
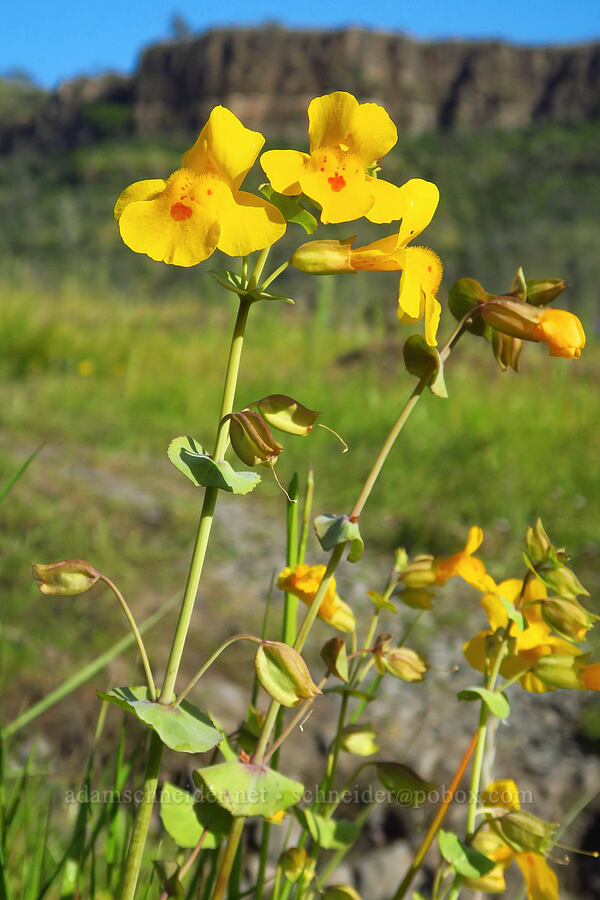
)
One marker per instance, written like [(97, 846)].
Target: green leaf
[(186, 821), (380, 602), (192, 460), (290, 208), (332, 530), (329, 834), (406, 785), (246, 789), (464, 295), (513, 614), (420, 358), (497, 703), (184, 728), (229, 280), (466, 860)]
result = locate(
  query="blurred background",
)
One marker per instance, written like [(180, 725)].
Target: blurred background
[(105, 356)]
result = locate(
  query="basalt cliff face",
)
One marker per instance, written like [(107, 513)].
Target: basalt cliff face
[(268, 75)]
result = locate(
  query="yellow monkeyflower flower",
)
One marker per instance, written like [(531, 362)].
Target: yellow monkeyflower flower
[(421, 268), (346, 138), (559, 329), (469, 567), (540, 881), (200, 207), (529, 645), (303, 582)]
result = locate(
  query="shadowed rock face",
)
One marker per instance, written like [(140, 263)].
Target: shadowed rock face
[(267, 76)]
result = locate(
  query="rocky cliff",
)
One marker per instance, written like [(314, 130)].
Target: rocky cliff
[(268, 75)]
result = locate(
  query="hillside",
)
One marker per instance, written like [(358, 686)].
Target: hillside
[(267, 75)]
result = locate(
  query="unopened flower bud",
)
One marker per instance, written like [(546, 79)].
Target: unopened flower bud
[(408, 788), (340, 892), (567, 617), (544, 291), (65, 578), (335, 658), (420, 572), (284, 674), (524, 832), (293, 862), (405, 664), (507, 350), (558, 671), (417, 598), (324, 257), (252, 439), (559, 329), (538, 544), (359, 740), (564, 582), (382, 641), (286, 414)]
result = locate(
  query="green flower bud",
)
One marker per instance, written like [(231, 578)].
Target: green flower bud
[(408, 788), (542, 292), (334, 656), (420, 572), (507, 350), (559, 671), (286, 414), (564, 582), (252, 440), (359, 740), (324, 257), (567, 617), (293, 863), (65, 578), (340, 892), (538, 544), (417, 598), (284, 674), (524, 832), (511, 317), (403, 663)]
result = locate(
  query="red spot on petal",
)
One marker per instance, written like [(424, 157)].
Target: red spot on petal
[(209, 192), (337, 182), (322, 168), (180, 212), (429, 269)]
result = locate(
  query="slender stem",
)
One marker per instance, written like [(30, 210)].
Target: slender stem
[(290, 608), (208, 507), (188, 863), (334, 752), (233, 841), (308, 498), (258, 268), (142, 819), (268, 724), (278, 271), (311, 615), (291, 726), (436, 823), (340, 854), (136, 634), (196, 678)]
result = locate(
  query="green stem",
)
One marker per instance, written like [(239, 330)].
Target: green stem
[(233, 841), (290, 609), (258, 268), (340, 854), (136, 633), (196, 678), (308, 498), (289, 728), (208, 507), (142, 819), (278, 271)]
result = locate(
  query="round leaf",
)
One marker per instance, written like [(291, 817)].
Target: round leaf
[(497, 703), (246, 789), (190, 458), (421, 359), (466, 860), (332, 530)]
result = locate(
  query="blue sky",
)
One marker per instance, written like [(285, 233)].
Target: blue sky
[(57, 39)]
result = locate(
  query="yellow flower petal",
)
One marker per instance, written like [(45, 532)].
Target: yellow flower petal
[(343, 195), (330, 120), (503, 793), (284, 168), (224, 147), (433, 312), (541, 882), (380, 256), (419, 203), (388, 201), (475, 651), (474, 540), (373, 135), (139, 190), (249, 223), (419, 281), (591, 677), (562, 332), (181, 224)]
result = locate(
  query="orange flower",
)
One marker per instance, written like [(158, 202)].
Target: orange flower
[(469, 567), (303, 582)]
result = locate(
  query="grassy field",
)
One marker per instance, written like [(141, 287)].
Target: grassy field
[(105, 356)]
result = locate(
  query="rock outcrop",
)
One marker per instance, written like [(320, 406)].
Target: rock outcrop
[(267, 76)]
